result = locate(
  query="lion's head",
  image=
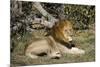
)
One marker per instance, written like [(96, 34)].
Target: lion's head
[(62, 31)]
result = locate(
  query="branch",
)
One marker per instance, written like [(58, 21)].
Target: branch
[(50, 18)]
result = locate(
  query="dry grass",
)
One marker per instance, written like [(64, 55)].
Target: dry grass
[(84, 40)]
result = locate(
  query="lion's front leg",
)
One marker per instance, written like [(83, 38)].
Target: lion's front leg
[(73, 50)]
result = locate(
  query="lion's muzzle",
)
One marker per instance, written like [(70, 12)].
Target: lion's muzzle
[(70, 39)]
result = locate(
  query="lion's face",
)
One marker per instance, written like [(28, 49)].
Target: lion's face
[(67, 31), (63, 31)]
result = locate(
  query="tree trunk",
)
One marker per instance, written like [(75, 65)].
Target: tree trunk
[(50, 18)]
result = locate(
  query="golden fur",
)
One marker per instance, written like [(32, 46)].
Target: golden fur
[(46, 46), (54, 46), (62, 31)]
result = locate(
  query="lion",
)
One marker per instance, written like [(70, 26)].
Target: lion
[(59, 42), (62, 33)]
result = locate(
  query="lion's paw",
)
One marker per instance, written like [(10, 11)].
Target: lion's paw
[(75, 50)]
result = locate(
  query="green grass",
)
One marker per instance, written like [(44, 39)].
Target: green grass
[(84, 40)]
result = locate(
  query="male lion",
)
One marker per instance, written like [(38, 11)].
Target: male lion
[(55, 45), (62, 33)]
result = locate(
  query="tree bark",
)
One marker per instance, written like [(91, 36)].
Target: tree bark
[(50, 18), (16, 7)]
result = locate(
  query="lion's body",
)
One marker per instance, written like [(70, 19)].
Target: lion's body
[(47, 46), (56, 44)]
